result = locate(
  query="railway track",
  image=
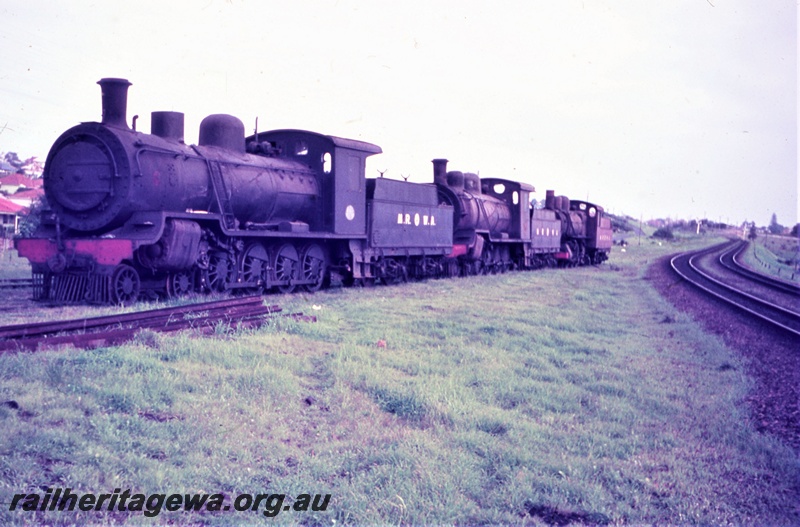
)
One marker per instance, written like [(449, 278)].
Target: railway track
[(114, 329), (16, 283), (688, 267), (730, 260)]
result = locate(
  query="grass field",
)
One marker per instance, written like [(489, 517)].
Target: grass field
[(545, 397), (775, 255)]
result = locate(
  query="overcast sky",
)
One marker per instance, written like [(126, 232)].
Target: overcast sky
[(680, 108)]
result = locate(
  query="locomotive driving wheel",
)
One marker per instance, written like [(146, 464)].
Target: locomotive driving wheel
[(180, 283), (574, 253), (125, 285), (578, 250), (285, 267), (488, 265), (221, 271), (255, 262), (313, 267)]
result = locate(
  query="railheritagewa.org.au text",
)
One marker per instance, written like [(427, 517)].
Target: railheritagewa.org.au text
[(64, 499)]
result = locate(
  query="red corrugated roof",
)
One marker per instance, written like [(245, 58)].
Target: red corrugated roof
[(29, 194), (9, 207), (21, 180)]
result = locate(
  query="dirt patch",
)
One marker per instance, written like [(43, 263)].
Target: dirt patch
[(553, 516), (772, 356)]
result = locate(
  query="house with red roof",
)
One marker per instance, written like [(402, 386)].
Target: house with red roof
[(13, 183), (17, 193), (25, 198), (9, 217)]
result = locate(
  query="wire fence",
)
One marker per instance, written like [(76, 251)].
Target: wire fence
[(777, 266)]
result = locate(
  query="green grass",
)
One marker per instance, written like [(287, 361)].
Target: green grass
[(579, 393), (775, 255)]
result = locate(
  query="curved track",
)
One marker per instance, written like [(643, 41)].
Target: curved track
[(729, 260), (687, 266)]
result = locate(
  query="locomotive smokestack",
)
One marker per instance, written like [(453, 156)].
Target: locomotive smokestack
[(440, 171), (550, 199), (115, 101)]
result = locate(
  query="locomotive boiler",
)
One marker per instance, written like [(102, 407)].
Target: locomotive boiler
[(97, 175)]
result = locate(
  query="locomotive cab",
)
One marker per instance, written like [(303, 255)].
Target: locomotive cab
[(598, 226), (517, 196), (340, 164)]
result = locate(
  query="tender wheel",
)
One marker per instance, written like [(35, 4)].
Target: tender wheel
[(221, 271), (180, 283), (451, 268), (314, 267), (475, 268), (125, 285), (285, 267), (392, 271), (428, 267), (255, 262)]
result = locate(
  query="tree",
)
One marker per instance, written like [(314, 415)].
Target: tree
[(663, 233), (13, 159), (29, 167), (30, 219), (774, 226)]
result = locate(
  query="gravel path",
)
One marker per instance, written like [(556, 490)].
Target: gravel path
[(772, 357)]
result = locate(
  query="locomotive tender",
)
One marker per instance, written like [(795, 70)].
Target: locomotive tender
[(132, 213)]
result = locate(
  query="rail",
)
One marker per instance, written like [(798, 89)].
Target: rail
[(115, 329), (729, 260), (15, 283), (684, 265)]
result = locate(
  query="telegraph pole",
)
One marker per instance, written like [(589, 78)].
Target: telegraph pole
[(639, 239)]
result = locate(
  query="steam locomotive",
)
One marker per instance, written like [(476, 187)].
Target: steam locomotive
[(133, 214)]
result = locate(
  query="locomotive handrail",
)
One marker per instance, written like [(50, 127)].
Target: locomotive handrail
[(220, 191), (158, 150), (221, 194), (110, 155)]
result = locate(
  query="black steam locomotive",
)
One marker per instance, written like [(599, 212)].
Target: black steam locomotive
[(132, 213)]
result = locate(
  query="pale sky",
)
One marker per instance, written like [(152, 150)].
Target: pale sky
[(680, 108)]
